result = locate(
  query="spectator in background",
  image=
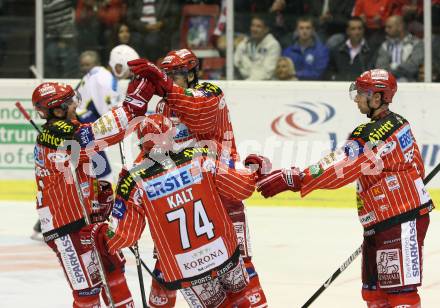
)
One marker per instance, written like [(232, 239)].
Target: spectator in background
[(121, 35), (285, 69), (307, 52), (331, 16), (352, 57), (95, 20), (61, 55), (154, 25), (87, 25), (255, 57), (401, 53), (281, 14), (375, 13)]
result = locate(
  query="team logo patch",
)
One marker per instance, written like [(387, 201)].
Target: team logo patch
[(315, 170), (388, 268), (58, 157), (85, 136), (85, 189), (387, 148), (39, 155), (392, 182), (119, 209)]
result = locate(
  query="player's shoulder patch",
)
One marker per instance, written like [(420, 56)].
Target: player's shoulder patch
[(55, 133), (379, 130), (209, 88), (127, 181)]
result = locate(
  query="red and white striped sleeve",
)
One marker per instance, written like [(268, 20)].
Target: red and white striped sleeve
[(197, 109), (233, 184), (338, 168), (127, 223)]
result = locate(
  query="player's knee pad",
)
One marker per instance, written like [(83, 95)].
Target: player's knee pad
[(375, 298), (86, 298), (404, 300), (160, 296), (119, 290)]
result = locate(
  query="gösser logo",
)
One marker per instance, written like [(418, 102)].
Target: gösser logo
[(304, 119)]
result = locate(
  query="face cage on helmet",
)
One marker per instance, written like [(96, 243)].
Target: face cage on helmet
[(176, 72), (46, 113), (354, 92)]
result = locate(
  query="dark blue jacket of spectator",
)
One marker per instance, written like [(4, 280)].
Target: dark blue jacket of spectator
[(310, 63)]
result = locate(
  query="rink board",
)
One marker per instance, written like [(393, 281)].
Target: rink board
[(292, 123), (25, 190)]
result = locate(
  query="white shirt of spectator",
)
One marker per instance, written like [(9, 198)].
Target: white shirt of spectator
[(354, 51), (149, 12)]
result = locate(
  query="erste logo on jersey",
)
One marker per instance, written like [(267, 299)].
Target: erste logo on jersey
[(172, 181), (405, 138)]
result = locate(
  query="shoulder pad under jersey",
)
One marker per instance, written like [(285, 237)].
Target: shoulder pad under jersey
[(379, 130), (209, 88), (54, 133)]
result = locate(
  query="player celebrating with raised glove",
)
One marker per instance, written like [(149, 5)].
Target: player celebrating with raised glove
[(200, 114), (393, 203), (58, 204), (179, 196)]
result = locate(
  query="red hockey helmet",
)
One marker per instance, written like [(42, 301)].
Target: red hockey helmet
[(179, 60), (155, 130), (375, 81), (50, 95)]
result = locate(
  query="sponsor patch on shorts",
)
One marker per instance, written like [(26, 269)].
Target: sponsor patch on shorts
[(410, 253), (389, 270)]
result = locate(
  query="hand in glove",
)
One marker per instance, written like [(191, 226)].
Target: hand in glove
[(258, 163), (139, 93), (94, 237), (106, 199), (145, 69), (279, 181)]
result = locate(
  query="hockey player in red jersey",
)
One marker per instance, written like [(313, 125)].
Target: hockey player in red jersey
[(58, 203), (179, 195), (393, 203), (200, 113)]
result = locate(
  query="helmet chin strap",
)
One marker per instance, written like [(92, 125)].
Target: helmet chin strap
[(372, 110)]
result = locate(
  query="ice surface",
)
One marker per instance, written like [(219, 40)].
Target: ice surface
[(295, 251)]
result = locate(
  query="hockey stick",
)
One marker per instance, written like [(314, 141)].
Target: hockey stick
[(83, 208), (88, 222), (358, 251), (135, 248), (26, 115)]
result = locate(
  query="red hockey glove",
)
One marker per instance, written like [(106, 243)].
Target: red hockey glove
[(106, 198), (258, 163), (279, 181), (94, 236), (139, 93), (146, 69)]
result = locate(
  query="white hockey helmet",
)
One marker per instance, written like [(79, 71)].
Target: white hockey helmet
[(121, 54)]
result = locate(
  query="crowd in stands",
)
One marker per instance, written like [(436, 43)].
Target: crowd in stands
[(273, 39), (335, 40)]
